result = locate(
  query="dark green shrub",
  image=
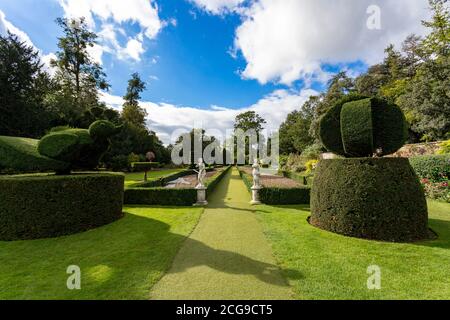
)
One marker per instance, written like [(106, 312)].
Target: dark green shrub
[(21, 155), (363, 127), (435, 168), (118, 163), (161, 182), (42, 206), (372, 198), (161, 196), (280, 196), (143, 166)]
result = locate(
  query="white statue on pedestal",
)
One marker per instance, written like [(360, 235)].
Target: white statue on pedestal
[(256, 182), (201, 173), (256, 174)]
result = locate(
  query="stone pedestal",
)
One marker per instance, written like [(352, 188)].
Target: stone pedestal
[(201, 196), (255, 195)]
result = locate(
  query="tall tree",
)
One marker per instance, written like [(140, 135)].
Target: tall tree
[(249, 120), (78, 76), (23, 85), (132, 112), (294, 131)]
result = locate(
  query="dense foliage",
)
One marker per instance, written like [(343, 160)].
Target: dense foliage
[(43, 206)]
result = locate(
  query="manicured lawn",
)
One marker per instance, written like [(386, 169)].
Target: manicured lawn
[(335, 267), (122, 260), (134, 177)]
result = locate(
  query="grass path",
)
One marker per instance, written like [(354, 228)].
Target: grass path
[(227, 255)]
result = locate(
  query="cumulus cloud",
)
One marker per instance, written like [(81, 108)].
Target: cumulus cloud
[(112, 14), (218, 6), (165, 118), (283, 41), (144, 12)]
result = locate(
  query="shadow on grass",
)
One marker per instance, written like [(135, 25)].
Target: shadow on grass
[(222, 260)]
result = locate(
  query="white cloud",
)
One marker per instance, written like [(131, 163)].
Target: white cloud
[(283, 41), (132, 50), (6, 26), (144, 12), (218, 6), (113, 13), (165, 118)]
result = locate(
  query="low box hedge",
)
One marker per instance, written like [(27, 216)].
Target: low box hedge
[(302, 178), (154, 193), (44, 206), (161, 196), (279, 196)]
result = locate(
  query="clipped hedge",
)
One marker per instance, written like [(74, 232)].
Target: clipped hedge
[(274, 196), (372, 198), (160, 196), (44, 206), (143, 166), (21, 155), (435, 168), (279, 196), (362, 127), (357, 127)]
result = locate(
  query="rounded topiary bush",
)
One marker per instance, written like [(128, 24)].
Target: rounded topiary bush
[(357, 127), (44, 206), (372, 198)]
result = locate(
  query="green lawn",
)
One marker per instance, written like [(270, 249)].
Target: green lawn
[(122, 260), (135, 177), (335, 267)]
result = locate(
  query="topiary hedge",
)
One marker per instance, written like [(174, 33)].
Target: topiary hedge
[(372, 198), (436, 167), (43, 206), (363, 127)]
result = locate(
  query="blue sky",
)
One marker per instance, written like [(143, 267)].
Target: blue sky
[(206, 60)]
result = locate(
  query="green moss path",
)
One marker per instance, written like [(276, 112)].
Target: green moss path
[(226, 256)]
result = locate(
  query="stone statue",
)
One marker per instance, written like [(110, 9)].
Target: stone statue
[(256, 174), (201, 173)]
